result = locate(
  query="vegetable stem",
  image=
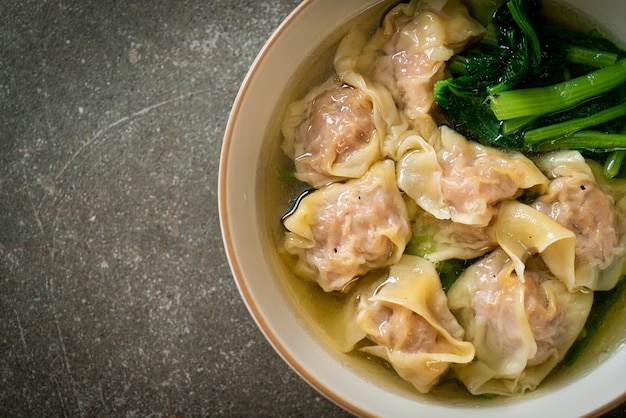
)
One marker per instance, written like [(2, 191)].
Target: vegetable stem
[(457, 65), (613, 163), (590, 140), (590, 57), (534, 136), (521, 18), (543, 100), (512, 125), (491, 36)]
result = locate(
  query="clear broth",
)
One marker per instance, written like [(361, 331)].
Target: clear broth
[(319, 311)]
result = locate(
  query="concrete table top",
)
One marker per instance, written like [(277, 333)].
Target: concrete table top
[(116, 298)]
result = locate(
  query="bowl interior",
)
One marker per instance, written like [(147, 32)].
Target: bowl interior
[(252, 199)]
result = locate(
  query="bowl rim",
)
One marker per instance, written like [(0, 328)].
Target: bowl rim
[(233, 259), (236, 264)]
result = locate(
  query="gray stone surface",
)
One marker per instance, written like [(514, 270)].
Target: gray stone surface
[(115, 294)]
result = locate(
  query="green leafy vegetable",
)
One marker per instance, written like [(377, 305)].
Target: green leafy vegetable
[(450, 270), (557, 97), (570, 126), (589, 140), (590, 57), (520, 12), (613, 163), (420, 245), (531, 85)]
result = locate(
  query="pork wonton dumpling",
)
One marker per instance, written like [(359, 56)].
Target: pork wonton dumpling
[(575, 200), (331, 134), (441, 239), (413, 44), (345, 230), (407, 319), (522, 231), (390, 123), (521, 327), (463, 181)]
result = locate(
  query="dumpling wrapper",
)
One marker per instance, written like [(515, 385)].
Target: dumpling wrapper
[(407, 318), (522, 231), (344, 230), (441, 239), (390, 123), (592, 207), (521, 329), (408, 53), (453, 178), (333, 133), (402, 61)]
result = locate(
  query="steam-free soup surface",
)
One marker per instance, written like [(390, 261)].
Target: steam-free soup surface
[(324, 305)]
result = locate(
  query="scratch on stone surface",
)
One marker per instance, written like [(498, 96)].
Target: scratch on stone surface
[(36, 214), (32, 204), (19, 326), (89, 142), (99, 380), (101, 393), (120, 121), (60, 395), (48, 286), (79, 402), (53, 249), (37, 218)]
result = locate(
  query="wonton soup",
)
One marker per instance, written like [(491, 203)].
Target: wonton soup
[(427, 259)]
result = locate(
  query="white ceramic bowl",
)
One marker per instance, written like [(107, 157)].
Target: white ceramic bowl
[(594, 386)]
